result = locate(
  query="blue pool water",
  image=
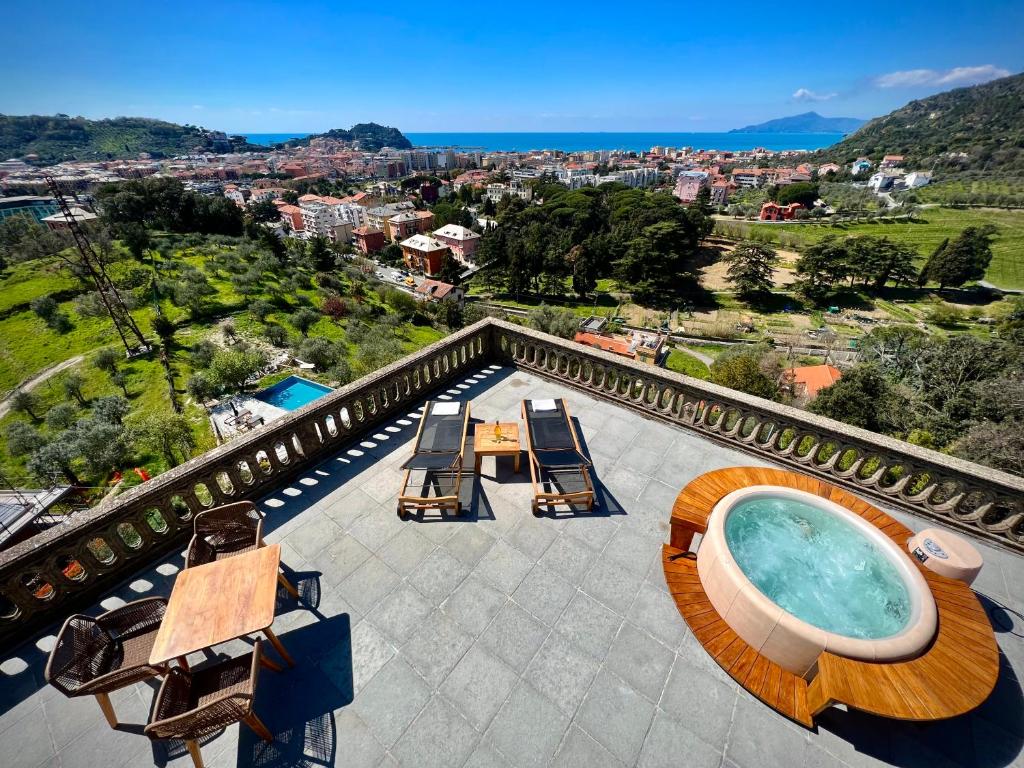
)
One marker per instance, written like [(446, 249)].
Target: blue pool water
[(293, 393), (818, 567)]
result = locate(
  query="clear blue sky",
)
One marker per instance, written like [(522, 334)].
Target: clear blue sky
[(263, 66)]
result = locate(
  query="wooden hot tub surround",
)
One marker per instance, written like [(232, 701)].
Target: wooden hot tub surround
[(955, 674)]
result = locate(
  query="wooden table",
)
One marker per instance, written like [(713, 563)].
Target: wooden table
[(485, 444), (220, 601)]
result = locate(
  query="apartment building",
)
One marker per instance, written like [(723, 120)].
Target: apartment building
[(463, 242), (424, 253)]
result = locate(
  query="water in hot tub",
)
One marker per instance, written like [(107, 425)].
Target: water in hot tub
[(817, 566)]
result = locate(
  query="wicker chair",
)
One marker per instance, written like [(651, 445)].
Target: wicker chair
[(228, 531), (194, 704), (94, 656)]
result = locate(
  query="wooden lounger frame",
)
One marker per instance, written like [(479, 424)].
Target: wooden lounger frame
[(408, 502), (544, 498), (953, 676)]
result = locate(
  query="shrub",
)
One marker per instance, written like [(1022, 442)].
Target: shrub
[(61, 416), (319, 351)]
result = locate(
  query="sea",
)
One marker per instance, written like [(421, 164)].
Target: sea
[(578, 142)]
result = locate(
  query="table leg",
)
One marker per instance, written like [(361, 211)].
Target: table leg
[(287, 585), (515, 462), (476, 464), (278, 646), (183, 663)]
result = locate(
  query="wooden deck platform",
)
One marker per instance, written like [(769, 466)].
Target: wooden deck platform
[(954, 675)]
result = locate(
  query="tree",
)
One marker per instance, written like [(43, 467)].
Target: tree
[(45, 307), (107, 360), (320, 255), (450, 271), (858, 398), (554, 320), (752, 267), (53, 460), (261, 309), (803, 192), (877, 260), (263, 211), (24, 401), (583, 262), (120, 379), (61, 416), (391, 254), (22, 438), (341, 372), (378, 348), (743, 372), (275, 334), (334, 307), (23, 238), (111, 409), (962, 260), (191, 291), (101, 445), (168, 434), (231, 369), (659, 260), (135, 237), (303, 319), (72, 384), (319, 351), (999, 445), (820, 266)]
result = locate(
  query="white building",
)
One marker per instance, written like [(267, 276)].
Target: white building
[(495, 192), (916, 179)]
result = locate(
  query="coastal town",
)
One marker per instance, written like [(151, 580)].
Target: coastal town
[(382, 210), (468, 385)]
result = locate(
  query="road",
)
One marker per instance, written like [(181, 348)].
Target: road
[(39, 378)]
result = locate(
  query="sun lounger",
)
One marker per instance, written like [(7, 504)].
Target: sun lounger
[(437, 459), (559, 471)]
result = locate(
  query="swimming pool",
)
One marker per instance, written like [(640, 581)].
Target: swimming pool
[(795, 574), (292, 393)]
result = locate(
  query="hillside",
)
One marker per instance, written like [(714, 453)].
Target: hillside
[(975, 128), (59, 137), (370, 136), (808, 122)]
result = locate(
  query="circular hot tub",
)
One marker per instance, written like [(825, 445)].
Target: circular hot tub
[(795, 574)]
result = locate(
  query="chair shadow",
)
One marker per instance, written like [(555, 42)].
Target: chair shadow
[(605, 503), (297, 705), (354, 457)]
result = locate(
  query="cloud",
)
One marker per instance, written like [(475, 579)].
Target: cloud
[(806, 94), (910, 78)]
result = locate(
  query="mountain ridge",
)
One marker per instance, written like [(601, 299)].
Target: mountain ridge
[(979, 127), (58, 138), (806, 122)]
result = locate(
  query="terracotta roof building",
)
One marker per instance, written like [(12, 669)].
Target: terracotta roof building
[(808, 380)]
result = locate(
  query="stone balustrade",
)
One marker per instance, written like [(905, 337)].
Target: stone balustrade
[(982, 501), (69, 566)]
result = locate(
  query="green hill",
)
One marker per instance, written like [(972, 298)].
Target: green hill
[(60, 137), (370, 136), (980, 128)]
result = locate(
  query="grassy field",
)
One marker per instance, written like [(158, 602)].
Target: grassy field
[(932, 226), (28, 346), (688, 365)]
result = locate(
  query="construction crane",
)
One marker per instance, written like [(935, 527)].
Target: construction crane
[(93, 265)]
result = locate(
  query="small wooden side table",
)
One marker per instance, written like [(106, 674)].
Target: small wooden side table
[(485, 443)]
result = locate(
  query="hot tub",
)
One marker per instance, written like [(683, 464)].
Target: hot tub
[(795, 574)]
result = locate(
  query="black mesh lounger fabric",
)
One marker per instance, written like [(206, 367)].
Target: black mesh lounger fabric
[(440, 441), (551, 437)]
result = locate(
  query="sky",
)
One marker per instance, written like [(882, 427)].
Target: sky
[(261, 66)]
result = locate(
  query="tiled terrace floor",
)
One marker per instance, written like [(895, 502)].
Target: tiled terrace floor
[(502, 640)]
